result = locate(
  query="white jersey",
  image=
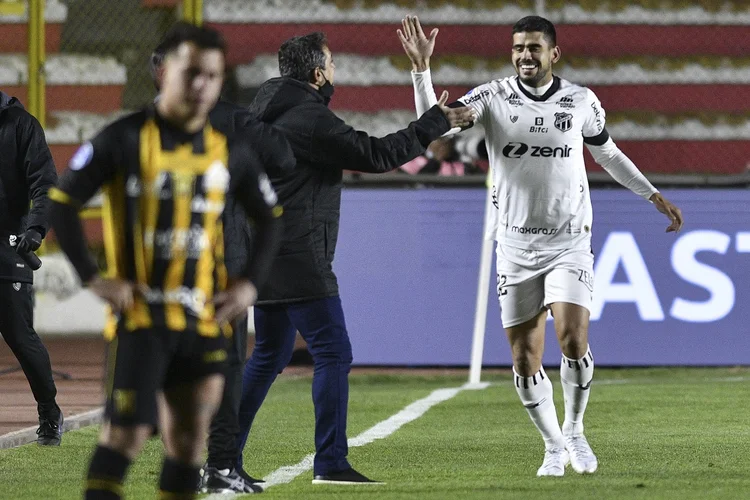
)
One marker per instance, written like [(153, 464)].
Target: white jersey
[(535, 146)]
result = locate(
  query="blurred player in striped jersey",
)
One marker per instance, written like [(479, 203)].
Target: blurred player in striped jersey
[(167, 173), (536, 125)]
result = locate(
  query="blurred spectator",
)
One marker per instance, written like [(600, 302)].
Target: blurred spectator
[(442, 158)]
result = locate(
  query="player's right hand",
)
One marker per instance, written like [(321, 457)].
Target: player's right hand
[(119, 294), (416, 45), (461, 117), (666, 207)]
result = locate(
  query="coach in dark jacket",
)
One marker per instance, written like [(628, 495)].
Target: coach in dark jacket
[(275, 155), (302, 291), (26, 174)]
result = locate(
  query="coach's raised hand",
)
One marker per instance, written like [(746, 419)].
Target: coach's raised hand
[(416, 45), (461, 116)]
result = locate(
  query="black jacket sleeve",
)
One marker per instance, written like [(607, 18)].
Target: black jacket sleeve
[(274, 155), (237, 237), (251, 187), (39, 171), (336, 143), (274, 151)]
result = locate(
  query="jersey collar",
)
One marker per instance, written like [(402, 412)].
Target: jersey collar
[(172, 137), (540, 98)]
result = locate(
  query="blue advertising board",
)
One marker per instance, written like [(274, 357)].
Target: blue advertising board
[(408, 263)]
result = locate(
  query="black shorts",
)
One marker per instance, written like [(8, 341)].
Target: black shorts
[(143, 362)]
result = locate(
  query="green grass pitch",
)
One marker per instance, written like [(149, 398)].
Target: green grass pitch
[(659, 433)]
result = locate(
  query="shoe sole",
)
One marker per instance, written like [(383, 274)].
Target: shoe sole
[(345, 483)]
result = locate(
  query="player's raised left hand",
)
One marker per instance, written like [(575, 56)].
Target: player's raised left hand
[(416, 45), (666, 207), (235, 300)]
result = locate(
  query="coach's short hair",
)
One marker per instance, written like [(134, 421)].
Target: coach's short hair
[(531, 24), (299, 56), (204, 38)]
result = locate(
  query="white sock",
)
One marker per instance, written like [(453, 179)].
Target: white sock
[(576, 376), (536, 395)]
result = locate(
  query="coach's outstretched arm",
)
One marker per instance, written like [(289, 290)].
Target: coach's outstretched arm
[(336, 143)]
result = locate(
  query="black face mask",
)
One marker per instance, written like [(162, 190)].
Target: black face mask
[(326, 91)]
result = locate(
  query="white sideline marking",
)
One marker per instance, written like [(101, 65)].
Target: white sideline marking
[(28, 435), (381, 430)]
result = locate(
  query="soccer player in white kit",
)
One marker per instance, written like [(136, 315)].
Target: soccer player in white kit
[(536, 125)]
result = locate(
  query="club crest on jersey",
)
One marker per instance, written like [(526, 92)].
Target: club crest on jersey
[(514, 119), (563, 121)]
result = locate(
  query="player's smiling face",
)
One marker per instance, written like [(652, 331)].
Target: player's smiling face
[(533, 57)]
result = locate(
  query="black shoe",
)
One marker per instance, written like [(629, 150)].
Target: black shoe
[(247, 477), (348, 476), (226, 481), (50, 430)]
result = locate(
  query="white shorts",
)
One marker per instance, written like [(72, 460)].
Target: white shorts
[(528, 281)]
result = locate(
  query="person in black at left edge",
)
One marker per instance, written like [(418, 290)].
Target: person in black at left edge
[(27, 172), (219, 475), (166, 174)]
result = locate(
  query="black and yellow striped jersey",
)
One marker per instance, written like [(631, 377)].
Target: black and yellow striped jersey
[(164, 192)]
